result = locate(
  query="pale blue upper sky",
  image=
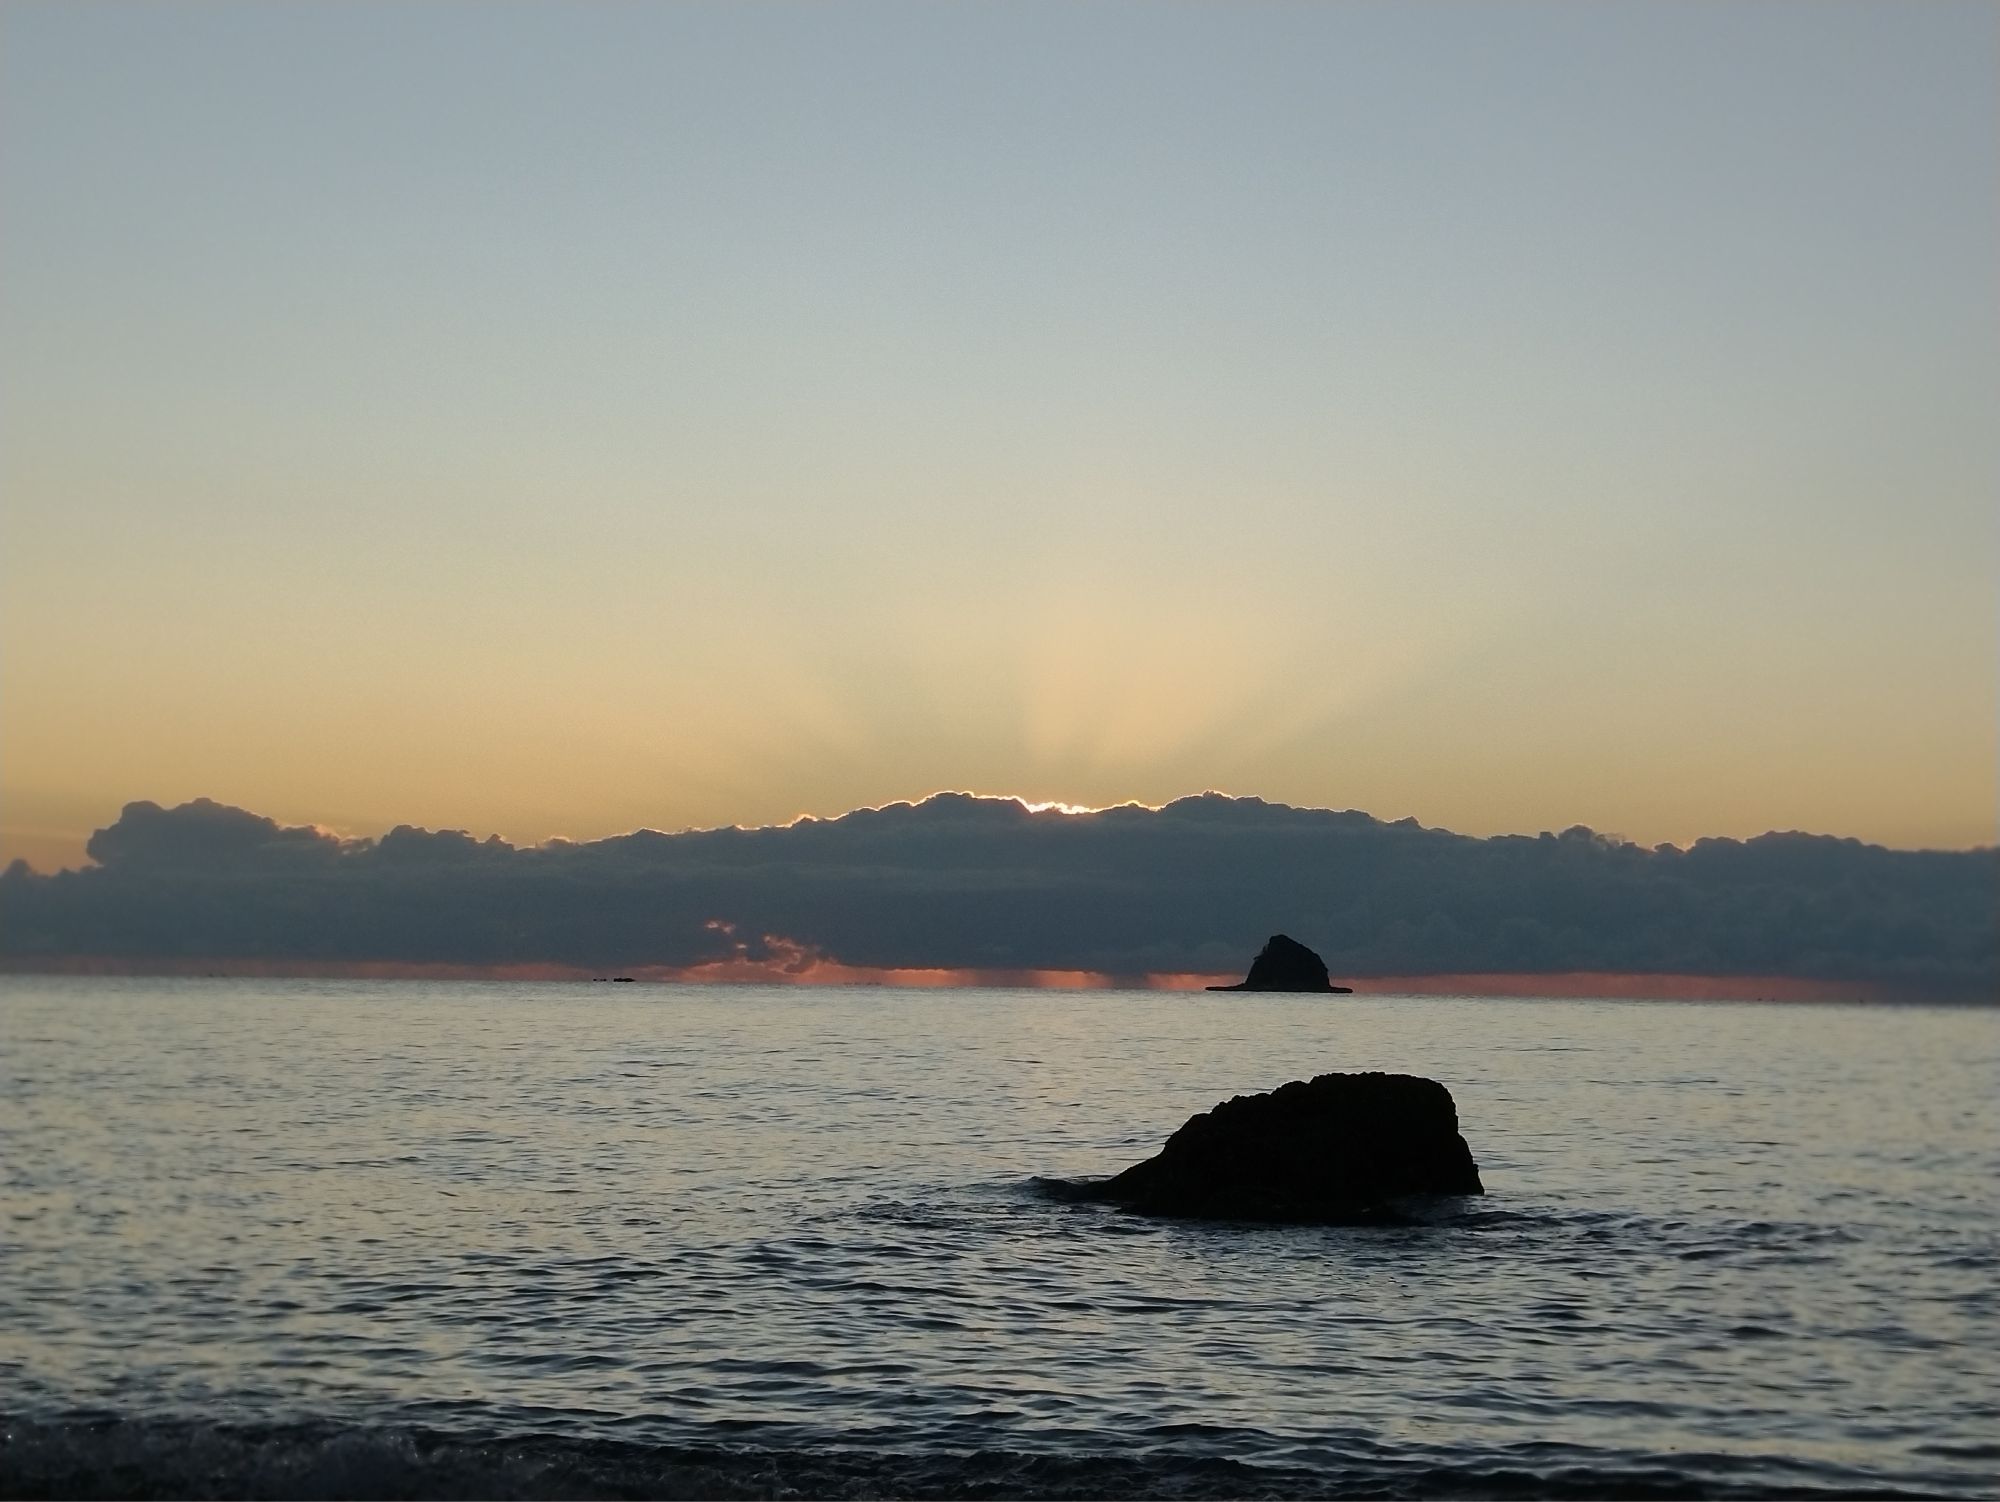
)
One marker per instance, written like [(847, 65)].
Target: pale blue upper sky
[(554, 419)]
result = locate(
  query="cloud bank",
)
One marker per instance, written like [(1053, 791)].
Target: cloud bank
[(959, 884)]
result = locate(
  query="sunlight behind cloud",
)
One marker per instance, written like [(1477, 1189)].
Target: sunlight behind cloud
[(1310, 443)]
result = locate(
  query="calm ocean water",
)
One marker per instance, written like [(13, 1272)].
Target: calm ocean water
[(300, 1238)]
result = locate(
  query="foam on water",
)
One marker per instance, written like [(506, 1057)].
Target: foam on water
[(288, 1238)]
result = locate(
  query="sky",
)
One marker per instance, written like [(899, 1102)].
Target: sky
[(554, 420)]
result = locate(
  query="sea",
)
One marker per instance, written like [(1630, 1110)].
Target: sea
[(286, 1238)]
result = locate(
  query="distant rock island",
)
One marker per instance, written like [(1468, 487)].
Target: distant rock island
[(1327, 1151), (1284, 964)]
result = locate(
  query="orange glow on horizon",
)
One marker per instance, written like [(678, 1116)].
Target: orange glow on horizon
[(784, 970), (1615, 985), (789, 962), (787, 968)]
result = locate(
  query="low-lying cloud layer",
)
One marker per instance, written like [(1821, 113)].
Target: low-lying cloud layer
[(958, 883)]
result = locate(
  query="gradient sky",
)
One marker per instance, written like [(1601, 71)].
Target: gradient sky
[(552, 420)]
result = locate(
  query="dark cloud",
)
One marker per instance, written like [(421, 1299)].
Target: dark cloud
[(959, 882), (204, 835)]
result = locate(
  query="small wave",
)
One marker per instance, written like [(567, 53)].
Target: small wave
[(1399, 1212), (1065, 1191), (106, 1456)]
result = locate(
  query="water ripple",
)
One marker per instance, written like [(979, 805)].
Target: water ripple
[(459, 1239)]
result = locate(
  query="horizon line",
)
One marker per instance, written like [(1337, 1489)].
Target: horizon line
[(787, 974)]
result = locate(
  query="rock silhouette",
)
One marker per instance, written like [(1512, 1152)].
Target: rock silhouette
[(1284, 964), (1329, 1150)]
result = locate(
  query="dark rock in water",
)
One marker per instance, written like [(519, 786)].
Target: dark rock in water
[(1284, 964), (1328, 1150)]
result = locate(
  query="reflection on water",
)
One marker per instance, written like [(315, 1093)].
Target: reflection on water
[(1733, 1246)]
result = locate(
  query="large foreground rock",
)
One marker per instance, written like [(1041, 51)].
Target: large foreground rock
[(1330, 1149), (1284, 964)]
